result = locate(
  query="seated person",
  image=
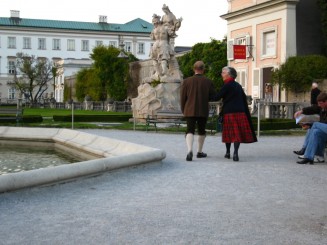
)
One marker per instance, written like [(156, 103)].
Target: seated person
[(316, 143), (306, 121), (321, 109)]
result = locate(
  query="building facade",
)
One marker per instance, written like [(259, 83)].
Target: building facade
[(272, 31), (68, 43)]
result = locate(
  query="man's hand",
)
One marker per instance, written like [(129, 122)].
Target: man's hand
[(298, 113)]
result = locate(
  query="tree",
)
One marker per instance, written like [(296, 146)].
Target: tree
[(107, 77), (298, 72), (87, 83), (213, 54), (32, 76)]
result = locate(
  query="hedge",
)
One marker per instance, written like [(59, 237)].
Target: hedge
[(93, 118), (25, 119), (266, 124)]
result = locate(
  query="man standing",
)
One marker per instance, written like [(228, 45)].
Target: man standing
[(315, 91), (196, 91)]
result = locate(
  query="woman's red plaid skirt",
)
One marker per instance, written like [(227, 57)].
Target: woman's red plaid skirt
[(236, 128)]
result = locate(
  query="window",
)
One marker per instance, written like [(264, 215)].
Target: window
[(71, 45), (85, 45), (269, 41), (41, 44), (98, 43), (27, 43), (113, 43), (140, 48), (241, 40), (128, 47), (11, 93), (245, 40), (11, 66), (11, 42), (56, 44)]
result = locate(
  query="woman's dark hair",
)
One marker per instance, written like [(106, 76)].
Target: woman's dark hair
[(231, 71)]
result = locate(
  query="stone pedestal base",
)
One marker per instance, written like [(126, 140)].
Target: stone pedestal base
[(165, 96)]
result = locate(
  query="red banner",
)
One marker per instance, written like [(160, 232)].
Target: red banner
[(239, 51)]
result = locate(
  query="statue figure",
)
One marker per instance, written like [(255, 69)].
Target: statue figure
[(161, 50), (163, 33), (170, 21)]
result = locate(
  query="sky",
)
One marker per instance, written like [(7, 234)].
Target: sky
[(201, 21)]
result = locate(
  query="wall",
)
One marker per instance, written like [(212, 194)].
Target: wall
[(305, 97)]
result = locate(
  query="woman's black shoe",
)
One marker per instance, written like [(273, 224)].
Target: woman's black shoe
[(305, 161), (300, 152), (227, 155), (235, 157)]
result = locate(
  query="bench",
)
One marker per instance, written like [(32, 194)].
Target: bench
[(177, 118), (10, 114), (212, 122), (172, 117)]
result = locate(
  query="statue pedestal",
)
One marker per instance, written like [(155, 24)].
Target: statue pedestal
[(165, 96)]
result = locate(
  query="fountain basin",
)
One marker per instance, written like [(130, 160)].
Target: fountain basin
[(102, 154)]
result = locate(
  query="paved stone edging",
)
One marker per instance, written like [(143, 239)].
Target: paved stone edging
[(107, 154)]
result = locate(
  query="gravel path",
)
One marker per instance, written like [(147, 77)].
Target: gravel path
[(265, 198)]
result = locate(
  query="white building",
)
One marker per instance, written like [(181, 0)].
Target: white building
[(67, 42)]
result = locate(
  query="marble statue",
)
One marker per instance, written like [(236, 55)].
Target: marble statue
[(161, 51), (165, 70)]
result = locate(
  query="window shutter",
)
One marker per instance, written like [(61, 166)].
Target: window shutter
[(241, 79), (256, 82), (230, 51), (248, 47)]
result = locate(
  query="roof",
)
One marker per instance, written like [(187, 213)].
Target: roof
[(179, 49), (137, 25)]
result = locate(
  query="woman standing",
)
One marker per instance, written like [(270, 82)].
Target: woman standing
[(237, 125)]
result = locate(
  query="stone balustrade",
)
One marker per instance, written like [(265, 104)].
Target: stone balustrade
[(283, 110)]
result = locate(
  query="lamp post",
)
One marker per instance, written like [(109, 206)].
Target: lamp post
[(72, 114)]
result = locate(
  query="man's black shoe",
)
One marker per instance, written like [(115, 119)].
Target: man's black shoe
[(305, 161), (189, 156), (300, 152), (201, 155)]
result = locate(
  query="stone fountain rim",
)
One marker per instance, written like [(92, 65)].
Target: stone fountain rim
[(104, 154)]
